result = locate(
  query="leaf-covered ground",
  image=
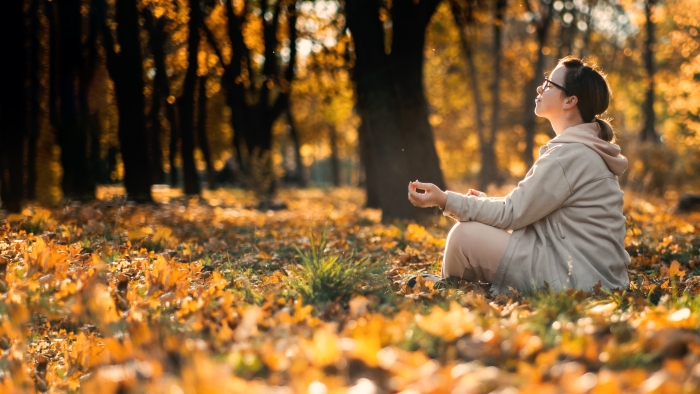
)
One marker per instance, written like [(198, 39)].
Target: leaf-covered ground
[(212, 296)]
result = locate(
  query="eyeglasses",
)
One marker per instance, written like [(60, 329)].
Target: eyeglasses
[(548, 82)]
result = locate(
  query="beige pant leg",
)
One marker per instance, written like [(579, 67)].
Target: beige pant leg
[(473, 251)]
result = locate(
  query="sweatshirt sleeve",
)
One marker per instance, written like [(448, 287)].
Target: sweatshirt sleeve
[(543, 190)]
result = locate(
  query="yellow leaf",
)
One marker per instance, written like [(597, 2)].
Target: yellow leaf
[(675, 270), (323, 349), (448, 325)]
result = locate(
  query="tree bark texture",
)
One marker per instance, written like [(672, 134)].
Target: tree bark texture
[(399, 135), (126, 70), (409, 21), (371, 183), (13, 123)]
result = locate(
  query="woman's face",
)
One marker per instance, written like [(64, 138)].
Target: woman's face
[(550, 100)]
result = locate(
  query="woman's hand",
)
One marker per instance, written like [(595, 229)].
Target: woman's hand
[(476, 193), (432, 197)]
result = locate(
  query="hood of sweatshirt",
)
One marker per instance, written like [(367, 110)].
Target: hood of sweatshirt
[(587, 134)]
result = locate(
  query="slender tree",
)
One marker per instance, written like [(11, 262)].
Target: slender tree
[(490, 173), (649, 130), (158, 40), (463, 14), (298, 175), (126, 70), (186, 102), (161, 90), (202, 138)]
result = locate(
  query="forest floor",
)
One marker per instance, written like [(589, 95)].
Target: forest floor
[(209, 295)]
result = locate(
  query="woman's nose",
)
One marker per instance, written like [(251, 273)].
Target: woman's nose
[(539, 89)]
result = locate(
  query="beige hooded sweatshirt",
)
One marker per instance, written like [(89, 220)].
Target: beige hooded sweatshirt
[(566, 216)]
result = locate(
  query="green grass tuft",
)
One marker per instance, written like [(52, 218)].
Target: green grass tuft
[(324, 278)]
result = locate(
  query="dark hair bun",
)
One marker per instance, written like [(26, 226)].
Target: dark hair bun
[(588, 84)]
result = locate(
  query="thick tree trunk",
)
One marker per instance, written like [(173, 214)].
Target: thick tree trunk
[(409, 21), (390, 96), (541, 33), (126, 70), (371, 183), (12, 105), (186, 104), (202, 139), (649, 131), (376, 100)]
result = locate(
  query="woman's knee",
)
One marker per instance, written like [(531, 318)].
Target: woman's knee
[(461, 232)]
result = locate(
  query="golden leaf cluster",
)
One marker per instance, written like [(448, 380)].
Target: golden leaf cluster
[(197, 296)]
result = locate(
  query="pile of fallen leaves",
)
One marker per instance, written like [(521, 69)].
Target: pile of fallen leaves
[(211, 295)]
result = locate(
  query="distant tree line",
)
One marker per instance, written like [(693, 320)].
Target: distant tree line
[(163, 57)]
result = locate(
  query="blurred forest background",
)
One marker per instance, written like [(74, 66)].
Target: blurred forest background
[(262, 94)]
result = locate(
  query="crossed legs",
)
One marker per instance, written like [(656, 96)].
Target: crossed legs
[(473, 251)]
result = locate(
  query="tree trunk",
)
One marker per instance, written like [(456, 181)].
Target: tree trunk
[(649, 131), (156, 152), (376, 100), (157, 40), (409, 21), (299, 170), (12, 105), (462, 18), (186, 104), (541, 33), (335, 160), (126, 70), (489, 172), (371, 182), (35, 110), (202, 139), (71, 122)]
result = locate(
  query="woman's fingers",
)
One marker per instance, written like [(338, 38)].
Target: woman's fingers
[(422, 185), (417, 199)]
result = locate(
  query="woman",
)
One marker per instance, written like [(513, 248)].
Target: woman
[(566, 218)]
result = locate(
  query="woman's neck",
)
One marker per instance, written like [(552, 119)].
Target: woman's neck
[(564, 122)]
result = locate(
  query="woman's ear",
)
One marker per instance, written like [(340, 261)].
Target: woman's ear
[(570, 102)]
